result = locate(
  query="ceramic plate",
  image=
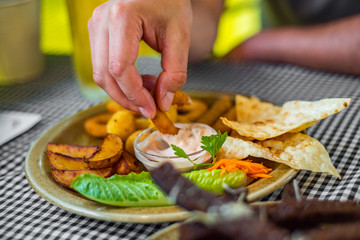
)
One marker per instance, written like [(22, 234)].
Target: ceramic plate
[(71, 131)]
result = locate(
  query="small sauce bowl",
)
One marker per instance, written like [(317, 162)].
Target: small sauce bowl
[(152, 161)]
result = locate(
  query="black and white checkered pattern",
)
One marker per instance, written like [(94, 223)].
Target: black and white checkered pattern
[(26, 215)]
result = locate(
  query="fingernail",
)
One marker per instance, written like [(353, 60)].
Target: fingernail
[(167, 100), (144, 112)]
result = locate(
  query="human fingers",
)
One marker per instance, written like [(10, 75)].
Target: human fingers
[(174, 61), (125, 33), (98, 35)]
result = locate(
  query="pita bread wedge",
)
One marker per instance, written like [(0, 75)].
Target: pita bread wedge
[(297, 150), (261, 120)]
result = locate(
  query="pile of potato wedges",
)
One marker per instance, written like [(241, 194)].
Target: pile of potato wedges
[(69, 161)]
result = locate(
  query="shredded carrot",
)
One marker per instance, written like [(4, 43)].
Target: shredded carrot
[(253, 170)]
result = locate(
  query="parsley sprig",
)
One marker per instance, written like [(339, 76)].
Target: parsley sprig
[(211, 144)]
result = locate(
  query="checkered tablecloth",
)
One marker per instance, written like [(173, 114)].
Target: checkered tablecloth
[(26, 215)]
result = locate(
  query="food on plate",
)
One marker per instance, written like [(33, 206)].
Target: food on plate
[(191, 112), (251, 169), (217, 109), (163, 123), (213, 181), (128, 164), (231, 218), (66, 177), (142, 123), (172, 113), (211, 159), (121, 123), (108, 154), (96, 126), (188, 138), (113, 106), (181, 99), (129, 144), (69, 157), (297, 150), (260, 120), (182, 191), (132, 190), (229, 115), (152, 147)]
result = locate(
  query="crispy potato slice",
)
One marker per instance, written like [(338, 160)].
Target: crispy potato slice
[(108, 154), (128, 164), (191, 112), (261, 120), (69, 157), (63, 162), (96, 126), (220, 126), (66, 177), (217, 109), (181, 99), (75, 151), (122, 123)]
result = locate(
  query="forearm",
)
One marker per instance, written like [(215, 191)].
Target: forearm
[(332, 47), (206, 14)]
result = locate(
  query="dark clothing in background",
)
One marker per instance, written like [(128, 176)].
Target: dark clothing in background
[(278, 13)]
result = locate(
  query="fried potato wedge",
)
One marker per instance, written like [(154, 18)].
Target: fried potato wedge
[(128, 164), (191, 112), (75, 151), (260, 120), (217, 109), (96, 126), (163, 123), (69, 157), (181, 99), (108, 154), (66, 177), (64, 162)]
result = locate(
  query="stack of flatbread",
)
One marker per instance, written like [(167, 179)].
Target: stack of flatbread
[(277, 133)]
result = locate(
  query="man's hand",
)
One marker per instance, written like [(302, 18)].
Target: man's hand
[(331, 46), (116, 29)]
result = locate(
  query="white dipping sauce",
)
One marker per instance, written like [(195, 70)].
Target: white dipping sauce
[(188, 139)]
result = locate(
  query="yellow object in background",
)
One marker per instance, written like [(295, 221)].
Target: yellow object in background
[(80, 12), (55, 28), (240, 20)]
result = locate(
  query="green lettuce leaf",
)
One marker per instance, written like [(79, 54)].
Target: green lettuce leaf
[(213, 182), (132, 190)]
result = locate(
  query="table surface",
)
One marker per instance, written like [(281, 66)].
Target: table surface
[(26, 215)]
